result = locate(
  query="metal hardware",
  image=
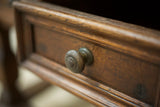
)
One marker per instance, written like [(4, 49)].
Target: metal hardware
[(140, 91), (76, 61)]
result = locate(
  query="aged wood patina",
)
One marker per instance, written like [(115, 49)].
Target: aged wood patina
[(126, 66)]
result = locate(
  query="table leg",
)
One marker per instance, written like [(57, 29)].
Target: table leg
[(11, 96)]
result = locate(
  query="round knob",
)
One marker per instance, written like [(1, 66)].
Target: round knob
[(76, 60)]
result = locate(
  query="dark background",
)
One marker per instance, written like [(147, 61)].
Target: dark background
[(140, 12)]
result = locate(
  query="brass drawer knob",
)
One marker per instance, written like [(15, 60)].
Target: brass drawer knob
[(76, 60)]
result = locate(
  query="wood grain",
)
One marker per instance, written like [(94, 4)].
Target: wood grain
[(82, 86), (126, 56), (133, 40), (114, 69)]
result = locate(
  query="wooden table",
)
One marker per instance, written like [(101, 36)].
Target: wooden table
[(124, 70)]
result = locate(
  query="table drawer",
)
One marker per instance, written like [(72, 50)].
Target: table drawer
[(126, 58)]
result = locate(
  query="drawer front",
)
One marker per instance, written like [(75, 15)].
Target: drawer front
[(126, 58), (122, 72)]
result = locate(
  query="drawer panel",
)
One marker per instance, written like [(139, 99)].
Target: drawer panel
[(126, 57), (117, 70)]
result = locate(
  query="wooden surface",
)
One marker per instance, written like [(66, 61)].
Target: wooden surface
[(6, 15), (8, 65), (8, 74), (79, 85), (126, 68)]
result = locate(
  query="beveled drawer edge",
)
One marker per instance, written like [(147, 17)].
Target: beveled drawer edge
[(148, 41), (95, 40), (86, 88), (121, 31)]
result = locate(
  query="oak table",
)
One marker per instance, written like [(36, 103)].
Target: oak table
[(104, 61)]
